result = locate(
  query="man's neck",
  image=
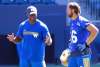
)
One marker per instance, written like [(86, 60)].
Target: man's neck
[(32, 22)]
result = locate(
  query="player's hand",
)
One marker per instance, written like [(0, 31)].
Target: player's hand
[(64, 57), (48, 40), (11, 37), (87, 50)]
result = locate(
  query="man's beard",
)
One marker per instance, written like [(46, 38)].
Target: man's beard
[(32, 21)]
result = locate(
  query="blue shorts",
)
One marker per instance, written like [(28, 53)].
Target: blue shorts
[(29, 63), (24, 62), (79, 61)]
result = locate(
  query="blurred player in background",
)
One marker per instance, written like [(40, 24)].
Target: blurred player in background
[(33, 35), (83, 32)]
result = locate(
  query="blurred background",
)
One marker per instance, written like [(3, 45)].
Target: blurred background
[(53, 13)]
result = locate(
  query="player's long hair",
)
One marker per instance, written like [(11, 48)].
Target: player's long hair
[(75, 6)]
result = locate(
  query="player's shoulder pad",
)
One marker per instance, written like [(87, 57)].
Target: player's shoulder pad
[(42, 24)]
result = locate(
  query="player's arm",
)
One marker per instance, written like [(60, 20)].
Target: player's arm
[(46, 36), (48, 39), (18, 37), (13, 38), (93, 33)]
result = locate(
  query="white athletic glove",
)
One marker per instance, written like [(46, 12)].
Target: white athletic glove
[(64, 57)]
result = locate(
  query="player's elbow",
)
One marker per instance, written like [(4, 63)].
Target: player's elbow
[(96, 31), (93, 29)]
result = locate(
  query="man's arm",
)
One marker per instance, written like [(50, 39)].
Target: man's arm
[(13, 38), (93, 33), (48, 40)]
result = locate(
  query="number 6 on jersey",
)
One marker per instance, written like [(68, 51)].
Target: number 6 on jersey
[(73, 36)]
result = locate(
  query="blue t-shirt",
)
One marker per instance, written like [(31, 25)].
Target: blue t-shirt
[(33, 37), (79, 34)]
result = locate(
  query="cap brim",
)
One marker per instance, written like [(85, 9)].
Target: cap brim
[(33, 13)]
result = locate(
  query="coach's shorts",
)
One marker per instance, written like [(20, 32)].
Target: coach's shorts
[(79, 61), (27, 63)]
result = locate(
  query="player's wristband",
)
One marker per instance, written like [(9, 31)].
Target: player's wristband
[(87, 45)]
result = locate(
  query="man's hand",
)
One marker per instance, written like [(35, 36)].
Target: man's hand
[(48, 40), (11, 37), (85, 49), (64, 57)]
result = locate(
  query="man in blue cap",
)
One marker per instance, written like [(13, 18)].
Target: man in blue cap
[(34, 36)]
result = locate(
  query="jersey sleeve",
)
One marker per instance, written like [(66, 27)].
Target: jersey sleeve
[(20, 31), (45, 32), (85, 24)]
